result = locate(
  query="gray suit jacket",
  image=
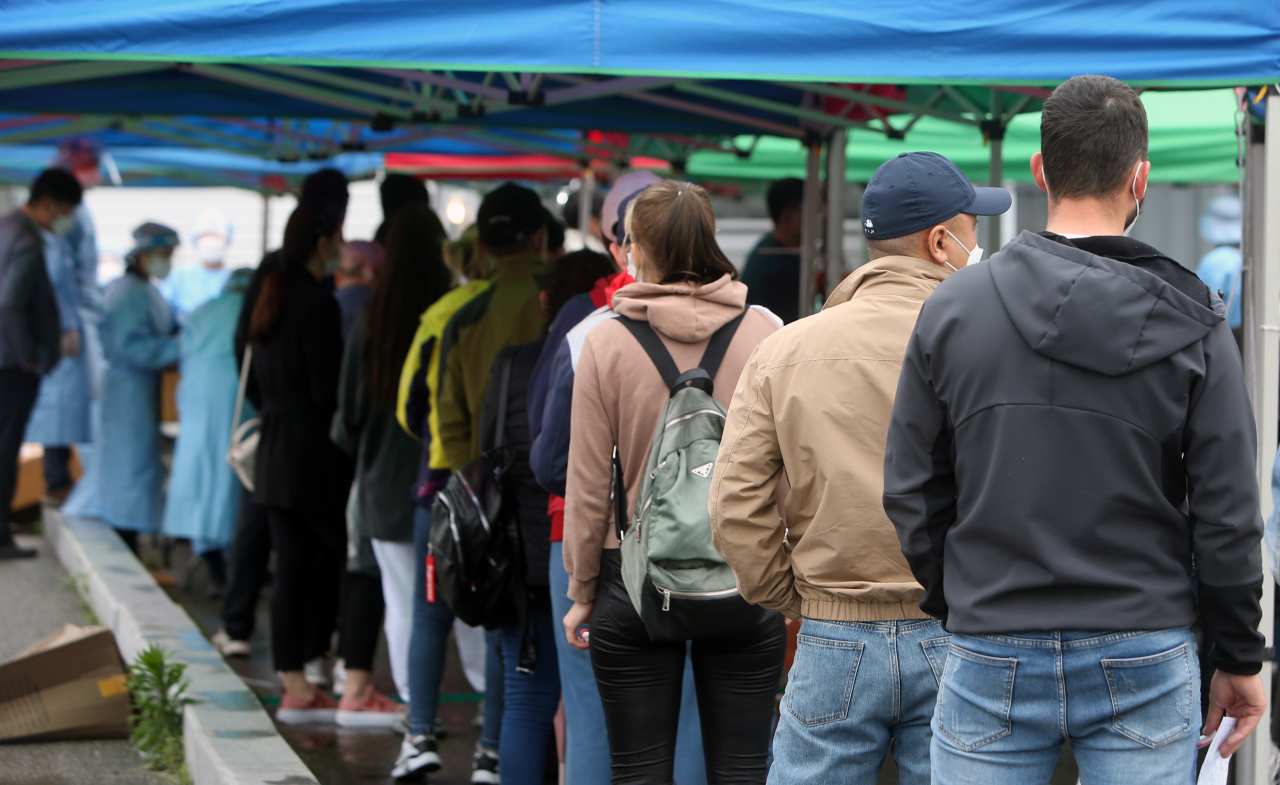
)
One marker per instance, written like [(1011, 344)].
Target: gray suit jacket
[(29, 326)]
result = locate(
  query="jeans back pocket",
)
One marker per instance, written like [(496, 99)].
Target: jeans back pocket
[(820, 687), (935, 652), (974, 698), (1152, 698)]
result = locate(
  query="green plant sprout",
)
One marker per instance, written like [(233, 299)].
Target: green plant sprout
[(159, 688)]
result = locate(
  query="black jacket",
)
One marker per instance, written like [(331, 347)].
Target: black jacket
[(1072, 443), (296, 390), (29, 326), (529, 498)]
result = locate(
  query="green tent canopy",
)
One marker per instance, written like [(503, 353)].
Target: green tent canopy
[(1193, 140)]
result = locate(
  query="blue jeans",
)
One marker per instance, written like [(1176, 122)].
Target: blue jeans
[(586, 743), (495, 693), (529, 702), (1129, 701), (854, 686), (427, 646)]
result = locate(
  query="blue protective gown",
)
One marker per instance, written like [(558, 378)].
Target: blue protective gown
[(204, 493), (124, 485), (1220, 271), (189, 287), (61, 415)]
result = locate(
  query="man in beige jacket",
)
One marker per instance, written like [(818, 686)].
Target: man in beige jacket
[(815, 402)]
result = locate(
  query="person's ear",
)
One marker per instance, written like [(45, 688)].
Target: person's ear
[(1037, 171), (544, 302), (1141, 184), (619, 256), (934, 238)]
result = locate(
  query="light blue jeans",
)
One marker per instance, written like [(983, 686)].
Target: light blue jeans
[(586, 754), (1129, 701), (854, 686)]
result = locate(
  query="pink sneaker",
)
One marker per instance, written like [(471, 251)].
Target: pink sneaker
[(370, 709), (319, 709)]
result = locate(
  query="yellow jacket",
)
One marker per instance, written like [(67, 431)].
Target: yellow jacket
[(431, 328)]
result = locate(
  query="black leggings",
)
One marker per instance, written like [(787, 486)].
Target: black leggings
[(362, 612), (304, 599), (736, 678)]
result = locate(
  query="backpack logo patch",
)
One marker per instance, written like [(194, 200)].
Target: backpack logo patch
[(704, 471)]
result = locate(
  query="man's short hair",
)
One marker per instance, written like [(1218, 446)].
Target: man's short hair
[(1093, 133), (325, 191), (784, 194), (59, 185), (905, 245), (400, 190)]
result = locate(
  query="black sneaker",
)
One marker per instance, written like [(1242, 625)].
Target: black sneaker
[(484, 768), (15, 551), (417, 757)]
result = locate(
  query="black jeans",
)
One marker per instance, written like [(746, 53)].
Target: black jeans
[(736, 678), (304, 600), (57, 468), (18, 390), (247, 568)]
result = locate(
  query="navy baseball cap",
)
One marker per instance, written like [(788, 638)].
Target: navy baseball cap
[(917, 190)]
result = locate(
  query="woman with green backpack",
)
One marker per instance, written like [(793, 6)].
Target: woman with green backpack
[(648, 409)]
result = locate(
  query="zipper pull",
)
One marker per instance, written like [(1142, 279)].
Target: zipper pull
[(666, 600)]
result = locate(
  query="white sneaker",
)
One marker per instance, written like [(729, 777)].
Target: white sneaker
[(417, 757), (484, 769), (339, 676), (228, 646), (315, 672)]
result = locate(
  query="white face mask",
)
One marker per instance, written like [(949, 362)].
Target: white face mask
[(1136, 200), (63, 224), (158, 267), (631, 265), (975, 255), (334, 261), (211, 249)]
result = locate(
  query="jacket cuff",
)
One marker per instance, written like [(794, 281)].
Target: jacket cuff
[(1230, 615), (582, 591)]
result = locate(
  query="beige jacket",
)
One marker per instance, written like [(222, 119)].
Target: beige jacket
[(618, 396), (815, 402)]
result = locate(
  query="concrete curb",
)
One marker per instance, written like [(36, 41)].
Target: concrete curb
[(230, 739)]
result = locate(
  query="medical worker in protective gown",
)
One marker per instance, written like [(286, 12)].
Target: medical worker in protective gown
[(124, 484), (191, 286), (204, 493)]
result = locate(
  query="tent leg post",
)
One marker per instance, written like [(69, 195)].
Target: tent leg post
[(810, 225), (994, 239), (266, 220), (586, 198), (1262, 359), (833, 246)]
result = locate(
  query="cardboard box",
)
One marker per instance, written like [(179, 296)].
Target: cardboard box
[(71, 685), (30, 486), (169, 379)]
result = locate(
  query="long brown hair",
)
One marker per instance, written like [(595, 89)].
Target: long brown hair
[(302, 234), (413, 277), (675, 227)]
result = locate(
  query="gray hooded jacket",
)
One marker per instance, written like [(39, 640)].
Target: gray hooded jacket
[(1071, 445)]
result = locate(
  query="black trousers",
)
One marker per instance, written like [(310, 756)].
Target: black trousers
[(57, 468), (362, 612), (247, 569), (736, 678), (304, 598), (18, 390)]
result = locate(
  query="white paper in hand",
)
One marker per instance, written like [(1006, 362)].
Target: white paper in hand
[(1215, 768)]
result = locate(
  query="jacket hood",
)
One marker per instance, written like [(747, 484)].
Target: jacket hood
[(683, 312), (888, 271), (1093, 312)]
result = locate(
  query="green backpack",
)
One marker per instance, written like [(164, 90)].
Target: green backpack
[(679, 584)]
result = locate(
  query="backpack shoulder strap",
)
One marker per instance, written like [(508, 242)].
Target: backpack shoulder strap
[(504, 386), (653, 346), (719, 344)]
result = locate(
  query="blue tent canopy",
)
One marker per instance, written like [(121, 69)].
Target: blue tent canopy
[(1168, 42)]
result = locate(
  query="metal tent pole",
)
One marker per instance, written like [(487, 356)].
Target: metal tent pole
[(833, 247), (995, 132), (810, 225), (586, 198), (266, 219), (1261, 281)]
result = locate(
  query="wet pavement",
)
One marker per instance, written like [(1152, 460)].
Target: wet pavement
[(337, 756), (38, 600)]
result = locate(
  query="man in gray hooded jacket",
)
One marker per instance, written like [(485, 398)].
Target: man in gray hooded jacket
[(1071, 471)]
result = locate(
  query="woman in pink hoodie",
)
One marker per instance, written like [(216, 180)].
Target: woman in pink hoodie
[(686, 290)]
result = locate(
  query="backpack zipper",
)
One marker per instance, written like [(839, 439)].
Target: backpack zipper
[(667, 594), (690, 415)]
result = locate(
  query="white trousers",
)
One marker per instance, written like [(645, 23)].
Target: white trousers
[(397, 563)]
